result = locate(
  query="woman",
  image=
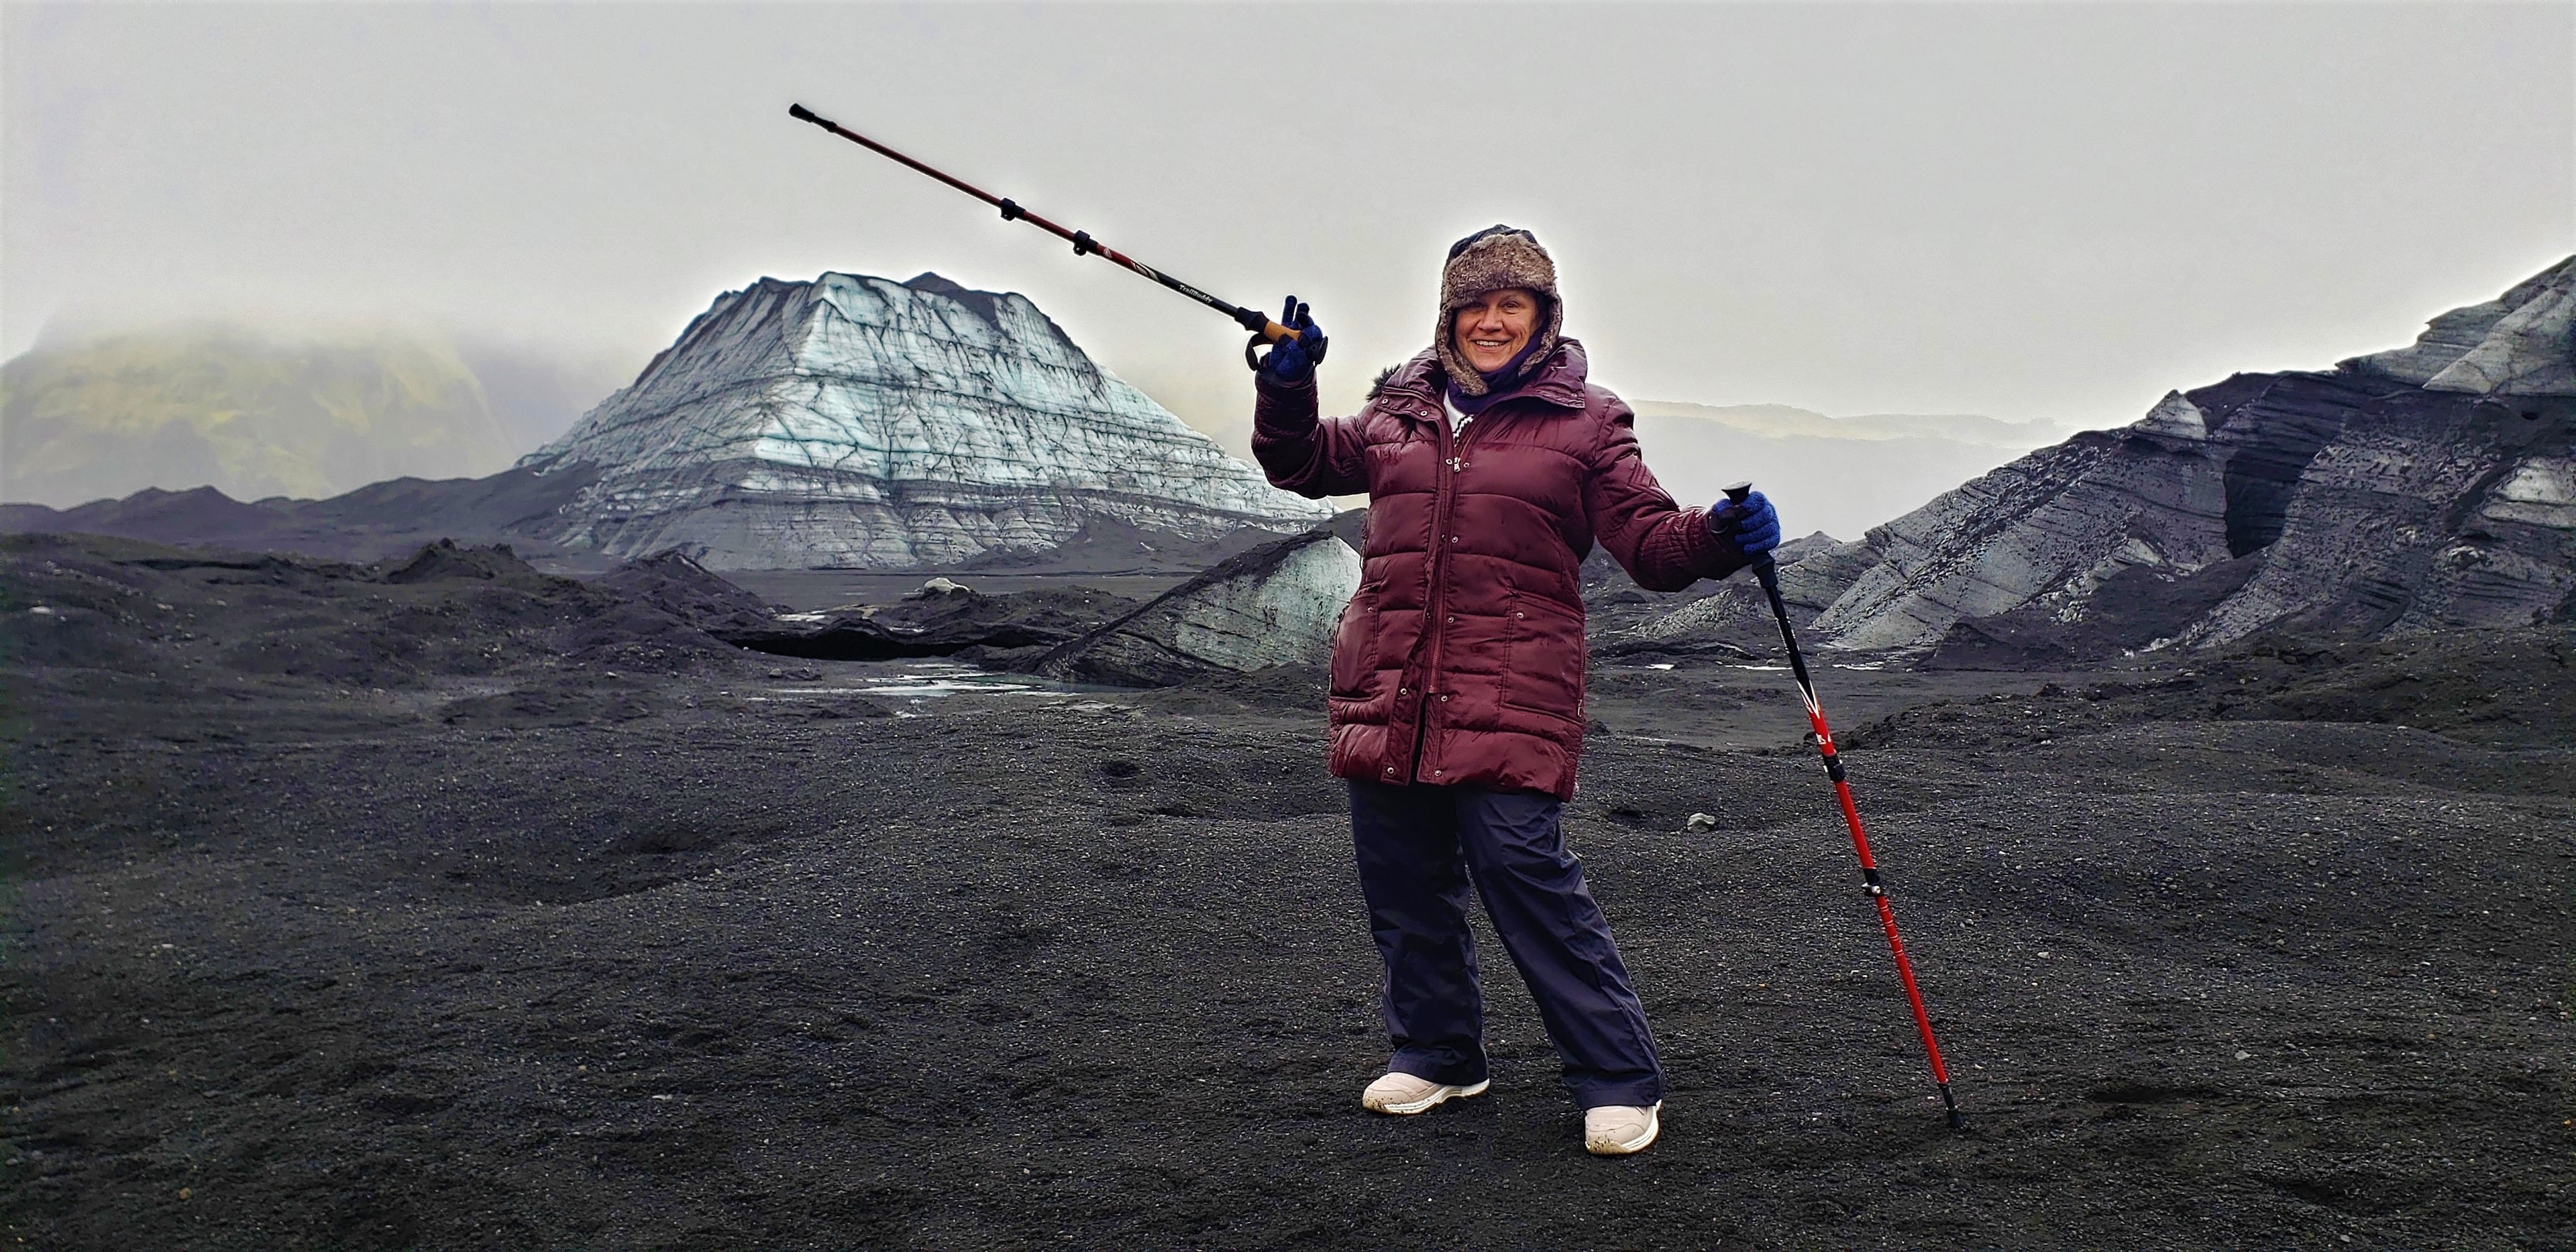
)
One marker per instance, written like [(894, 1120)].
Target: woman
[(1491, 468)]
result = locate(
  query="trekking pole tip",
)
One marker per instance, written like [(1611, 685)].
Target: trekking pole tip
[(801, 113), (1958, 1120)]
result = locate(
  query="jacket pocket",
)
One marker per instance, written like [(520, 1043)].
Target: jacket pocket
[(1545, 671), (1355, 645)]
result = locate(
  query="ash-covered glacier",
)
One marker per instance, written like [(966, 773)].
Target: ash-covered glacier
[(2426, 488), (857, 422)]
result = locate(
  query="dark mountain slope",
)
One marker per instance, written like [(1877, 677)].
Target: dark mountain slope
[(2390, 495)]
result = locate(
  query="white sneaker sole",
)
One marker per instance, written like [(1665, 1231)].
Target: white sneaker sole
[(1609, 1147), (1439, 1095)]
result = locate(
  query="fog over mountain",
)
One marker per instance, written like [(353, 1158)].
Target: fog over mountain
[(2043, 211), (1838, 475), (248, 414), (258, 411)]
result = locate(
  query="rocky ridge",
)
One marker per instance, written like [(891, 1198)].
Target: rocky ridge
[(2426, 488), (857, 422)]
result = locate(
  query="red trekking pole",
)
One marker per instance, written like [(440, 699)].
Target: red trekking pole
[(1769, 574)]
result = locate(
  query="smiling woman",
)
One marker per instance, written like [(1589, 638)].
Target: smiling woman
[(1492, 466), (1494, 329), (1499, 315)]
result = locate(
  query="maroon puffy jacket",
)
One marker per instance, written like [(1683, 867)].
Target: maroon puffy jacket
[(1460, 660)]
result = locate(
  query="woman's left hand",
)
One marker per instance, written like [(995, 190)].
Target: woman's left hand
[(1752, 525)]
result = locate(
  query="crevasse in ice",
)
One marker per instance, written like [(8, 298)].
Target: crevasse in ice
[(858, 422)]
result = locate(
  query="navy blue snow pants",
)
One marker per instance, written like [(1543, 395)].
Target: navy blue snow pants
[(1419, 847)]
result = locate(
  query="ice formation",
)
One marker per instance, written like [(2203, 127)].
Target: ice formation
[(2522, 343), (1275, 605), (858, 422)]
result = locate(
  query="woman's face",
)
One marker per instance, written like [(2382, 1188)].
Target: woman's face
[(1496, 327)]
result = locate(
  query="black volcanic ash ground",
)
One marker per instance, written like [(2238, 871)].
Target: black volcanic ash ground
[(352, 913)]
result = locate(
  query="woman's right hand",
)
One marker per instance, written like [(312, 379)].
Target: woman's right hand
[(1293, 361)]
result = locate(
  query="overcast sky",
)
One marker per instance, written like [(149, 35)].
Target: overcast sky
[(2027, 211)]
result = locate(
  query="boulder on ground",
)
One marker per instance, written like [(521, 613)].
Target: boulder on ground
[(444, 561), (1272, 606), (673, 581)]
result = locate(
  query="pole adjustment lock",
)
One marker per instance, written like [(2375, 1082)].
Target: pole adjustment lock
[(1084, 244), (1011, 209)]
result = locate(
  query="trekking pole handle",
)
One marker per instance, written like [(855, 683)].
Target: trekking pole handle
[(1264, 332), (1763, 566)]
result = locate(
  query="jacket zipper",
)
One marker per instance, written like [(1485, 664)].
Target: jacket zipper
[(1444, 497)]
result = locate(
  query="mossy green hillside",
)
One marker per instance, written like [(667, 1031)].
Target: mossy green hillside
[(251, 414)]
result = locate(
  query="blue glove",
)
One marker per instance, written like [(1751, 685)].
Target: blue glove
[(1293, 361), (1753, 526)]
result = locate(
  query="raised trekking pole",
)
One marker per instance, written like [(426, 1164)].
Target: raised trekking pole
[(1263, 329), (1769, 574)]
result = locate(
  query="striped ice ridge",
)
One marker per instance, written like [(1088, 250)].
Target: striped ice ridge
[(857, 422)]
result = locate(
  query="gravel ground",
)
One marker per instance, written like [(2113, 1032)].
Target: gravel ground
[(887, 955)]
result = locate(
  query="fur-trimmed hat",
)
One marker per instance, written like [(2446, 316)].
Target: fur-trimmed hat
[(1488, 261)]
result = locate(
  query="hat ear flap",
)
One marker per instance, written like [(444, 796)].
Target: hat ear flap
[(1444, 345)]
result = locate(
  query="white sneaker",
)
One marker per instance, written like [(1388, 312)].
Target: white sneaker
[(1619, 1129), (1405, 1093)]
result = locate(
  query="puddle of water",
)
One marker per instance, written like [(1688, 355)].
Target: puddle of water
[(914, 687), (950, 689), (932, 678), (1763, 668)]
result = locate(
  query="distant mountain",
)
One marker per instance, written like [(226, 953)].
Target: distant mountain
[(1841, 475), (848, 422), (377, 521), (858, 422), (2426, 488), (247, 413)]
